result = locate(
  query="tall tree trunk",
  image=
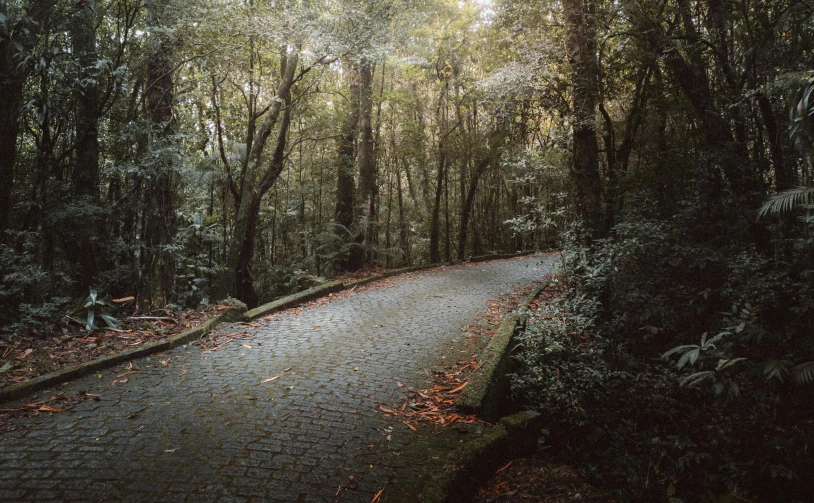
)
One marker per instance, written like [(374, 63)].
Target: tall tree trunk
[(581, 46), (158, 266), (85, 177), (15, 45), (346, 164), (367, 166)]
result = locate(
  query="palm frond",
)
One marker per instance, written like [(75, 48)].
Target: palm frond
[(803, 373), (787, 200)]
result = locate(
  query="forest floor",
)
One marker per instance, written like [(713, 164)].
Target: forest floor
[(33, 353)]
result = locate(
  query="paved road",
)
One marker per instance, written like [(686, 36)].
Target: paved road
[(193, 425)]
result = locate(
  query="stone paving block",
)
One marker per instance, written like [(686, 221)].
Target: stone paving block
[(217, 433)]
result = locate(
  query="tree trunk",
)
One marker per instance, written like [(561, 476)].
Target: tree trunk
[(435, 254), (158, 266), (345, 163), (581, 47), (85, 177), (251, 190), (783, 175), (367, 167), (466, 209)]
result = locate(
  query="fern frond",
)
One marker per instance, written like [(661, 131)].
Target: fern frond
[(803, 373), (787, 200)]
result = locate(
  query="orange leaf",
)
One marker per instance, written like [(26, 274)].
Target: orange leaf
[(409, 425), (378, 496), (459, 388), (386, 410), (49, 409), (507, 465), (124, 299)]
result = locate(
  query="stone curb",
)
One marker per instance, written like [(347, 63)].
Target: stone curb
[(487, 394), (232, 313), (294, 300), (475, 461)]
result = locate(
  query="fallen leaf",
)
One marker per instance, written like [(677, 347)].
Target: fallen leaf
[(124, 299), (400, 385), (409, 425), (288, 369), (246, 346), (26, 353), (49, 409), (386, 410), (378, 495), (317, 326), (269, 379), (352, 482), (507, 465), (170, 450), (459, 388)]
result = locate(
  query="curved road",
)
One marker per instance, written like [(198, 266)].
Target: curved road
[(195, 425)]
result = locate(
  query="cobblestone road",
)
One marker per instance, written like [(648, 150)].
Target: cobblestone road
[(194, 425)]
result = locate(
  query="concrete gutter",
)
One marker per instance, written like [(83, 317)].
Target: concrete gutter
[(232, 313)]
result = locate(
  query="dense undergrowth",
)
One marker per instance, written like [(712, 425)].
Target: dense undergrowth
[(676, 369)]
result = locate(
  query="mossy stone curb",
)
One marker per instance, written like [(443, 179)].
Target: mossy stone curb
[(488, 392), (484, 258), (232, 313), (488, 387), (475, 461), (294, 300)]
